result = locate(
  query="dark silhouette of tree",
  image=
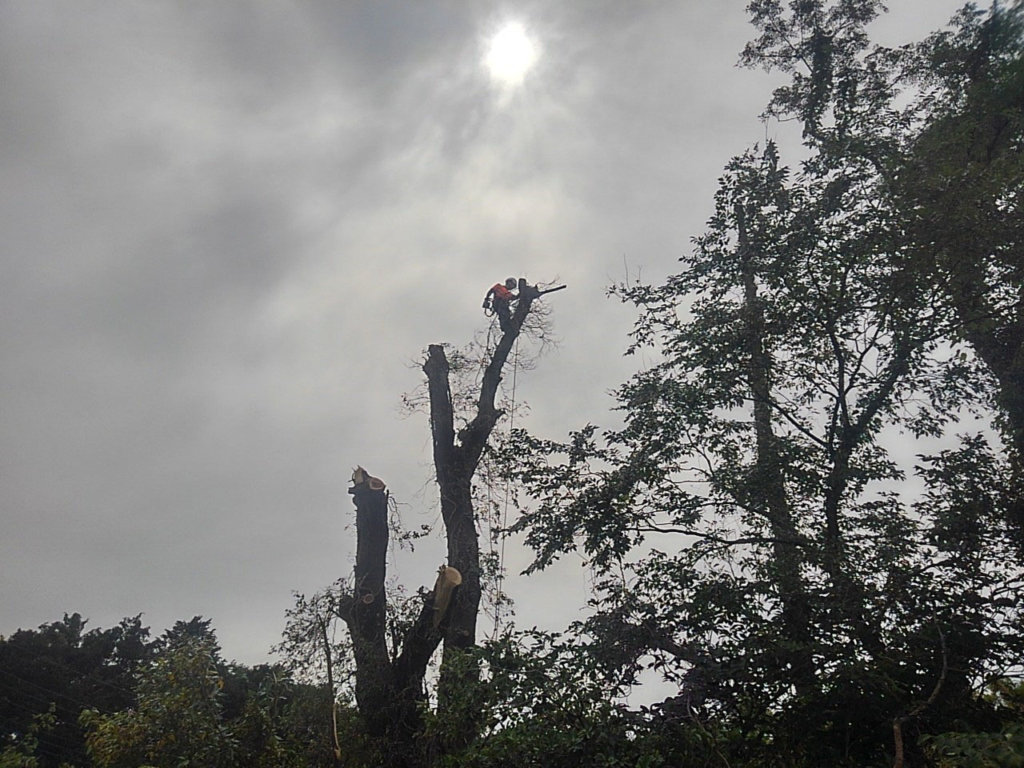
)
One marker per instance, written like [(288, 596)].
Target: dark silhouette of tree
[(747, 523), (938, 128), (457, 455), (60, 669), (390, 654)]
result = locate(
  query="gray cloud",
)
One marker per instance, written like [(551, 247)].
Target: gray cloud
[(230, 230)]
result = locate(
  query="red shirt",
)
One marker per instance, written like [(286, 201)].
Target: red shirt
[(501, 292)]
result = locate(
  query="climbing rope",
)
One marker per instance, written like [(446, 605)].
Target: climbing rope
[(504, 512)]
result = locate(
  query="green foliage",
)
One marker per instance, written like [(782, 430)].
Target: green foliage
[(22, 753), (752, 526), (979, 750), (302, 646), (131, 697), (177, 717), (280, 723), (1001, 749), (193, 709), (938, 127), (55, 671), (543, 701)]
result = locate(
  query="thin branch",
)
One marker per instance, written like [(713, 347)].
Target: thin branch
[(330, 686), (651, 528)]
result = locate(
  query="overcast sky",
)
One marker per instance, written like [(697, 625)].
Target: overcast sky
[(230, 229)]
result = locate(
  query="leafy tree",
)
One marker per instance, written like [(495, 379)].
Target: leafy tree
[(176, 720), (190, 707), (546, 701), (812, 601), (196, 630), (322, 657), (22, 752), (59, 669), (939, 125), (279, 723), (747, 523), (1002, 749)]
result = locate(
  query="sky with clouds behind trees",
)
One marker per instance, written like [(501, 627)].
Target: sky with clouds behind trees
[(231, 229)]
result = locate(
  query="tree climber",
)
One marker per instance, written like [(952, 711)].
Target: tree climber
[(499, 299)]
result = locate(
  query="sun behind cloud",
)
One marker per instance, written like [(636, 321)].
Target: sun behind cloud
[(511, 53)]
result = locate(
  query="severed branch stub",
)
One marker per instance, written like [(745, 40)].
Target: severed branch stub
[(448, 578)]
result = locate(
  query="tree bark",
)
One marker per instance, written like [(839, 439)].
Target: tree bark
[(367, 614), (388, 693), (768, 477)]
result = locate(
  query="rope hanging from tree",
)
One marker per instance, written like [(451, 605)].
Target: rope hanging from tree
[(504, 513)]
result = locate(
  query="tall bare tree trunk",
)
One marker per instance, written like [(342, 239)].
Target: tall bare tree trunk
[(366, 614), (456, 458), (390, 691)]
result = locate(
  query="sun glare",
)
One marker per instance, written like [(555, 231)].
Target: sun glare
[(510, 55)]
